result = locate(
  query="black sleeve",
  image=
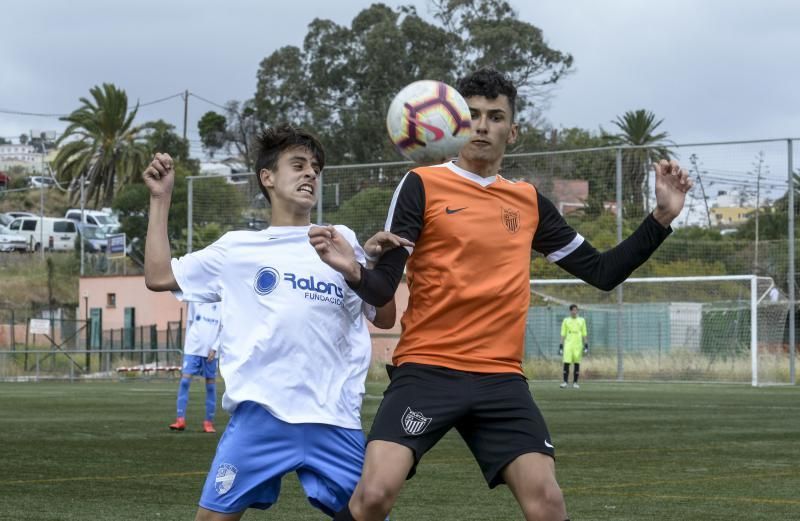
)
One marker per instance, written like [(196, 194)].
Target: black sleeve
[(406, 215), (608, 269)]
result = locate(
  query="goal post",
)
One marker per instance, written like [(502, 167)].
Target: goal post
[(728, 328)]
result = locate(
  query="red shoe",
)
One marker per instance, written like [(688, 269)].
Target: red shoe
[(208, 426), (179, 424)]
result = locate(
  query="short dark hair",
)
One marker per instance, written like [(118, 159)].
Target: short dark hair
[(573, 306), (489, 83), (273, 141)]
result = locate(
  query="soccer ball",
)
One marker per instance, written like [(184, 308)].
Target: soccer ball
[(428, 121)]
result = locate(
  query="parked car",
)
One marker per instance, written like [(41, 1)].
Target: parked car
[(94, 217), (58, 234), (95, 239), (14, 215), (10, 241), (38, 181)]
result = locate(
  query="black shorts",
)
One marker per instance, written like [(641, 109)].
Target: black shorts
[(493, 412)]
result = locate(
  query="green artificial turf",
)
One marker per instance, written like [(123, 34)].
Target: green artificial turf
[(625, 451)]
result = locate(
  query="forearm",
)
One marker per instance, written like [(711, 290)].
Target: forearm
[(377, 286), (608, 269), (158, 274), (385, 316)]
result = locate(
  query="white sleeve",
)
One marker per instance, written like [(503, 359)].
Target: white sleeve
[(198, 273)]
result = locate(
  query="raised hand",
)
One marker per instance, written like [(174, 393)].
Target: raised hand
[(335, 251), (159, 176), (672, 184)]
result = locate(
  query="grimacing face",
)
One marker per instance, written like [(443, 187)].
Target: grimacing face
[(493, 129), (294, 179)]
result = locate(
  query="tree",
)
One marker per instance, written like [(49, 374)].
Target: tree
[(342, 80), (23, 139), (212, 131), (3, 141), (638, 128), (102, 144), (162, 138)]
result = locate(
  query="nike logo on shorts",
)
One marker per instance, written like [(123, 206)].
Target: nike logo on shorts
[(548, 445)]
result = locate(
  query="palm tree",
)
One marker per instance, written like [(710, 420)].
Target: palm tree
[(638, 128), (102, 144)]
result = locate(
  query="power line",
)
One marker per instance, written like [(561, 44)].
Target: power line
[(208, 101)]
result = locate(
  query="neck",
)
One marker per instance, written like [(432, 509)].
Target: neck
[(481, 168), (282, 216)]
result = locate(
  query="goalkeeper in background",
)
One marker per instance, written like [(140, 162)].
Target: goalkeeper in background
[(574, 344)]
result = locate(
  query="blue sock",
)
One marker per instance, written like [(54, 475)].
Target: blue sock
[(211, 400), (183, 396)]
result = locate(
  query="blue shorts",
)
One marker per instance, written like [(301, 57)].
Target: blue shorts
[(199, 366), (257, 450)]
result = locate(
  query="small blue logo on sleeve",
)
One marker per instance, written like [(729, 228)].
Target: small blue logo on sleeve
[(266, 280)]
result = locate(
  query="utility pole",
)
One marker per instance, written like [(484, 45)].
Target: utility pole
[(185, 111), (759, 167)]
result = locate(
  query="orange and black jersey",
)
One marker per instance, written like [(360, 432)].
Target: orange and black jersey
[(469, 270)]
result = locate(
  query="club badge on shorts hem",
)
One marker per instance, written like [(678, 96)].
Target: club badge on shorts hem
[(414, 423), (226, 473)]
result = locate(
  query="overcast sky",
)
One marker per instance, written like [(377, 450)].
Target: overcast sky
[(714, 70)]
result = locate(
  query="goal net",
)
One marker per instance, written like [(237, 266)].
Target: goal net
[(713, 328)]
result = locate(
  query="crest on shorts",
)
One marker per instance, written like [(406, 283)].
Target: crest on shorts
[(510, 218), (414, 422), (226, 473)]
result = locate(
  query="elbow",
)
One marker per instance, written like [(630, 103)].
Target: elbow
[(384, 322)]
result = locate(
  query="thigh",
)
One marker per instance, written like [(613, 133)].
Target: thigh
[(210, 368), (334, 458), (572, 355), (193, 365), (420, 405), (255, 451), (503, 424)]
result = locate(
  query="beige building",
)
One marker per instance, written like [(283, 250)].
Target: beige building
[(113, 294)]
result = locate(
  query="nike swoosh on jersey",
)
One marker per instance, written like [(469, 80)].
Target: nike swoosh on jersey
[(437, 132), (454, 210)]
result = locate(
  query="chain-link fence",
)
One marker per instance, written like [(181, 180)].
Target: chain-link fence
[(737, 220)]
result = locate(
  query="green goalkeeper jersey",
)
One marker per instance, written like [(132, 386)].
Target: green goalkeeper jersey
[(573, 330)]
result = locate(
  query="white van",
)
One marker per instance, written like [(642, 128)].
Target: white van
[(107, 222), (58, 234)]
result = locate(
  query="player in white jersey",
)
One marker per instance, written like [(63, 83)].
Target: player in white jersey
[(199, 359), (294, 349)]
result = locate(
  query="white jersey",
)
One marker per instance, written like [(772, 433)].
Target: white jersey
[(295, 339), (202, 328)]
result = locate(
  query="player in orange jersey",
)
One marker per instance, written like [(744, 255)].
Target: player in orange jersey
[(458, 361)]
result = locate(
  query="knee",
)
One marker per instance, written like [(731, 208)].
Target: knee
[(545, 501), (376, 497)]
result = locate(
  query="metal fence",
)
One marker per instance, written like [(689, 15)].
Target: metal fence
[(602, 192)]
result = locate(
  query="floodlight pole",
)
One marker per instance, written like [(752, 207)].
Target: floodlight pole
[(41, 200)]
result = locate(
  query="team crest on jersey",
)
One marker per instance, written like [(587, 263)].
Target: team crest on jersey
[(226, 474), (414, 422), (267, 280), (510, 218)]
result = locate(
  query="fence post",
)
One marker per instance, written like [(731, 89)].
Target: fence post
[(320, 184), (620, 297), (791, 274), (189, 225)]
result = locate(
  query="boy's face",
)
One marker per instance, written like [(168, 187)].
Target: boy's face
[(294, 181), (492, 128), (573, 312)]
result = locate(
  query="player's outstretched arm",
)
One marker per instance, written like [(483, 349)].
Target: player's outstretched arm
[(608, 269), (159, 177)]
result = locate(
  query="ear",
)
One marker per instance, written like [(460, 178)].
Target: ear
[(512, 135), (267, 178)]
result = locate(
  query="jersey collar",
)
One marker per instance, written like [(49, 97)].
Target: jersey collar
[(466, 174)]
